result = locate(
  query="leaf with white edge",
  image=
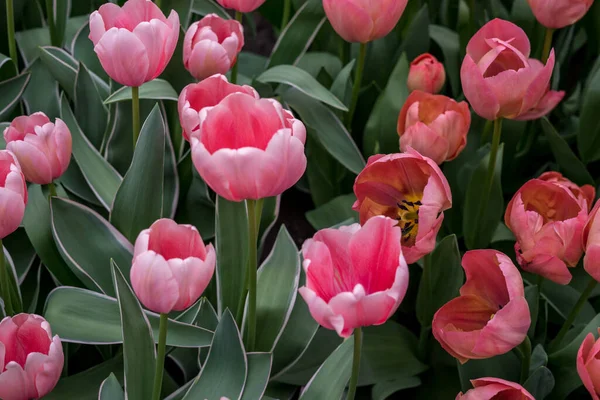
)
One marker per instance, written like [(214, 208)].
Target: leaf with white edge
[(157, 89), (259, 369), (205, 7), (91, 114), (61, 9), (41, 93), (12, 89), (111, 389)]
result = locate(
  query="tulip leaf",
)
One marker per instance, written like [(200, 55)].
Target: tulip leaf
[(74, 182), (333, 212), (21, 252), (29, 41), (449, 42), (12, 298), (383, 390), (259, 369), (82, 49), (170, 179), (61, 9), (157, 89), (505, 366), (540, 383), (588, 137), (41, 94), (205, 7), (12, 89), (91, 114), (111, 389)]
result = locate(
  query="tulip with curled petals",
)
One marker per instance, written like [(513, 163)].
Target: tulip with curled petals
[(43, 148), (557, 14), (244, 6), (171, 266), (491, 316), (134, 43), (426, 74), (501, 81), (585, 194), (495, 388), (547, 221), (355, 276), (249, 148), (410, 189), (588, 365), (436, 126), (32, 359), (211, 46), (13, 194)]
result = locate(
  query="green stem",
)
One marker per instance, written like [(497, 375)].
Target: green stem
[(234, 71), (51, 27), (160, 357), (574, 313), (547, 44), (486, 130), (287, 10), (355, 364), (254, 213), (4, 284), (10, 27), (135, 113), (362, 55), (52, 190), (525, 353)]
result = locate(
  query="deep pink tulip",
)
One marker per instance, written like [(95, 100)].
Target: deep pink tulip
[(495, 389), (363, 20), (241, 5), (436, 126), (491, 316), (171, 266), (500, 80), (557, 14), (412, 190), (31, 359), (13, 194), (211, 46), (42, 148), (354, 276), (547, 220), (585, 194), (207, 93), (134, 43), (426, 74), (588, 365), (591, 244), (249, 148)]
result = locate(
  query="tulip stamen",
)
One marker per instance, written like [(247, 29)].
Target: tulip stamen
[(408, 218)]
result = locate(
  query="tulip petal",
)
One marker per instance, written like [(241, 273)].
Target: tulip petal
[(352, 22), (582, 355), (480, 95), (208, 58), (150, 274), (547, 103), (35, 165), (123, 56)]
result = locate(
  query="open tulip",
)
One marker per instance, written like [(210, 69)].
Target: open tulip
[(211, 46), (436, 126), (134, 43), (426, 74), (585, 194), (363, 20), (591, 244), (588, 365), (495, 388), (557, 14), (547, 220), (42, 148), (241, 5), (32, 360), (412, 190), (355, 276), (13, 194), (491, 316), (171, 266), (500, 80), (249, 148)]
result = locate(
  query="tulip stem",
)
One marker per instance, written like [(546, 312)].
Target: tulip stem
[(554, 345), (239, 17), (355, 364), (135, 113), (160, 357), (52, 190), (10, 27), (524, 351), (254, 214), (362, 55), (287, 9), (547, 44)]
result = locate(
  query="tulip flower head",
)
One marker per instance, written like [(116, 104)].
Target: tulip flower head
[(244, 6), (355, 276), (591, 244), (32, 360), (436, 126), (557, 14), (13, 194), (585, 194), (43, 148), (495, 388), (491, 316), (588, 365), (426, 74), (501, 81), (412, 190)]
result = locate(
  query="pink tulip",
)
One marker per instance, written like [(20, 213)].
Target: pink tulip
[(211, 46), (249, 148), (42, 148), (244, 6), (491, 316), (426, 74), (13, 194), (500, 80), (556, 14), (134, 43), (547, 220), (207, 93), (585, 194), (591, 244), (412, 190), (363, 20), (588, 365), (171, 266), (435, 126), (31, 359), (355, 276), (495, 388)]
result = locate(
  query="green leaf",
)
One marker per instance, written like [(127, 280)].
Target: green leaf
[(449, 42), (183, 9), (170, 178), (563, 298), (12, 89), (315, 62), (111, 389), (506, 366), (383, 390), (205, 7), (225, 369), (41, 94), (139, 353), (21, 252), (302, 81), (74, 182), (61, 9), (82, 49), (540, 383), (82, 316), (157, 89), (28, 42), (333, 212), (91, 114), (416, 39), (588, 136), (259, 369), (13, 296)]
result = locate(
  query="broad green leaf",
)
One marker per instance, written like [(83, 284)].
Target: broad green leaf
[(91, 114), (28, 42), (205, 7), (61, 9), (259, 369), (21, 252), (588, 137), (157, 89), (383, 390), (183, 9), (41, 94), (342, 84), (415, 41), (12, 89), (324, 174), (332, 213), (12, 296), (111, 389), (170, 178), (196, 207), (540, 383), (506, 366), (449, 42), (563, 298), (82, 49), (315, 62), (74, 182)]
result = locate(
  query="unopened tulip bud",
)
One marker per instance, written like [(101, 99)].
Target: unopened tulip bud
[(426, 74)]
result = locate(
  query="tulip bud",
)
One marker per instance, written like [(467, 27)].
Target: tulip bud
[(13, 194), (588, 366), (426, 74), (557, 14), (244, 6)]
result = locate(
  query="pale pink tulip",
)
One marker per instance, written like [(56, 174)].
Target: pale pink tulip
[(426, 74), (171, 266), (207, 93), (244, 6), (500, 80), (43, 148), (436, 126), (412, 190), (547, 220), (249, 148), (355, 276), (13, 194), (491, 316), (211, 46), (495, 389), (585, 194), (363, 20), (591, 244), (588, 365), (31, 359), (556, 14), (134, 43)]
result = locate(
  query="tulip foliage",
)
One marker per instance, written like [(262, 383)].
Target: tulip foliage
[(299, 199)]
